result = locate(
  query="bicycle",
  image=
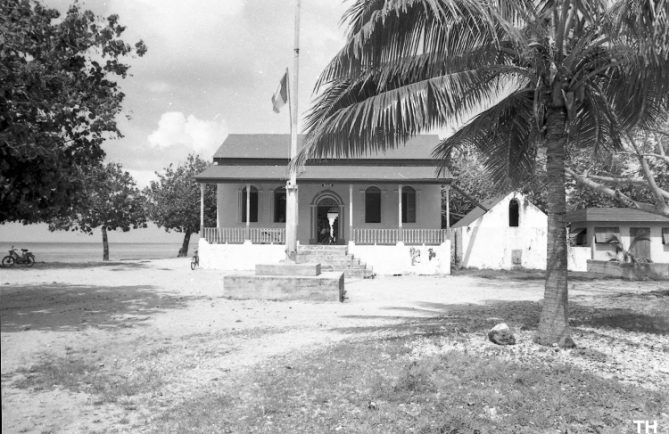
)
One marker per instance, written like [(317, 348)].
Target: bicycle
[(195, 262)]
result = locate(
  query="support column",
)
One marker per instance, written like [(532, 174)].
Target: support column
[(202, 210), (448, 207), (400, 235), (350, 213), (247, 236)]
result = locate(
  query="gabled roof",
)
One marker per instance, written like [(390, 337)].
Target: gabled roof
[(265, 158), (617, 215), (277, 146), (477, 212)]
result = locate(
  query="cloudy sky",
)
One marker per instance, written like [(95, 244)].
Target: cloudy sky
[(211, 69)]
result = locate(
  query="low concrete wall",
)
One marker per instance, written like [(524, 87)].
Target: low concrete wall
[(630, 271), (401, 259), (238, 256), (577, 258), (328, 286)]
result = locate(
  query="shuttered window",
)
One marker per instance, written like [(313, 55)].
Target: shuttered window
[(408, 205), (253, 205), (606, 234), (372, 205)]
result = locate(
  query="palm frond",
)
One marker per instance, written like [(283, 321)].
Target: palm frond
[(390, 32), (506, 136)]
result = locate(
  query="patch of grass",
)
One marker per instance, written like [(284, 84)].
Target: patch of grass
[(376, 387), (79, 375)]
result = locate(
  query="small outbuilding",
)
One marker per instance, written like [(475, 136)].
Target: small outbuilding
[(609, 233), (507, 232)]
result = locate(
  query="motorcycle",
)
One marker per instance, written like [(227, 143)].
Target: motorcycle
[(24, 257)]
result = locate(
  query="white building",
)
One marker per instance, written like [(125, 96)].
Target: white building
[(643, 235), (511, 233), (385, 207)]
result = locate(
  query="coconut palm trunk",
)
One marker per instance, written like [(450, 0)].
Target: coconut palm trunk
[(105, 244), (554, 322)]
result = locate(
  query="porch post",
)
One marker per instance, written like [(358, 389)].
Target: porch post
[(350, 213), (448, 207), (400, 235), (202, 210), (248, 212)]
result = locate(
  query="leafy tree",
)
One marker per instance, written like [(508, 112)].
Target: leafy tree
[(174, 200), (112, 202), (543, 75), (471, 177), (59, 97), (636, 176)]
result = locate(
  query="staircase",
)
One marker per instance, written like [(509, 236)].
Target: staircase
[(333, 258)]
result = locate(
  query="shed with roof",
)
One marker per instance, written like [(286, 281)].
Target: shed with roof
[(506, 232), (610, 233)]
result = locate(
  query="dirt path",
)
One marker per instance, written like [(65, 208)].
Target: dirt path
[(121, 343)]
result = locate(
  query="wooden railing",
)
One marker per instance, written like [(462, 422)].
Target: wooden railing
[(360, 236), (393, 236), (239, 235)]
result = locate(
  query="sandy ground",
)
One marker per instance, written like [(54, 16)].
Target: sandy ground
[(126, 316)]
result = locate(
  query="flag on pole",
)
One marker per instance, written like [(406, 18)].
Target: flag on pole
[(280, 97)]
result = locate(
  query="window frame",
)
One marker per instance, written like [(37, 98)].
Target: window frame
[(278, 192), (513, 209), (407, 211), (252, 209), (602, 230), (368, 205)]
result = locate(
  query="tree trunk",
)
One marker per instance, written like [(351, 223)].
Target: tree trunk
[(554, 325), (183, 251), (105, 244)]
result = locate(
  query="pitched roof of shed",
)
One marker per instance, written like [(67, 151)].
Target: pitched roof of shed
[(613, 215), (477, 212), (273, 146)]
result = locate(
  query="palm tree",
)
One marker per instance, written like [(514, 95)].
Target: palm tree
[(542, 77)]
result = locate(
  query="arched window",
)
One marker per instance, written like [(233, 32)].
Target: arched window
[(513, 213), (372, 205), (253, 217), (280, 205), (408, 205)]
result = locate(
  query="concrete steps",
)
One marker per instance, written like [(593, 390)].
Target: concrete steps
[(333, 258)]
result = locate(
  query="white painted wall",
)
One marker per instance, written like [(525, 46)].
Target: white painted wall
[(488, 242), (238, 256), (577, 258), (389, 260)]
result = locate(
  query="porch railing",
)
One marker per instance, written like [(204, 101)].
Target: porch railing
[(239, 235), (407, 236)]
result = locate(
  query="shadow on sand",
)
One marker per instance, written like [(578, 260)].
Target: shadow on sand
[(432, 318), (83, 265), (60, 307)]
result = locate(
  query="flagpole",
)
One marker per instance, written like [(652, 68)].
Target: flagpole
[(291, 185)]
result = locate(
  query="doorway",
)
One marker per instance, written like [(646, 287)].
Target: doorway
[(327, 221)]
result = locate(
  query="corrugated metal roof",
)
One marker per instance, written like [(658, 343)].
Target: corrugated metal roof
[(477, 212), (273, 146), (242, 173), (613, 215)]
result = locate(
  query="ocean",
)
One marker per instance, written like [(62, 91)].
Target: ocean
[(92, 252)]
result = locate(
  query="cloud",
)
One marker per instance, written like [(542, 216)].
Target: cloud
[(199, 136)]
